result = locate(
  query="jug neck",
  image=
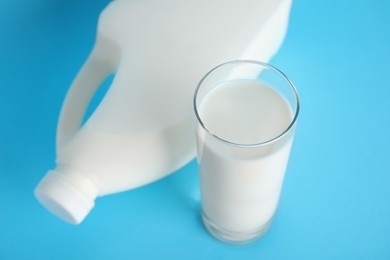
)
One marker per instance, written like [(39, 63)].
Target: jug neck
[(67, 193)]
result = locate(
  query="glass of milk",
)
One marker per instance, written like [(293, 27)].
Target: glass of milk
[(246, 113)]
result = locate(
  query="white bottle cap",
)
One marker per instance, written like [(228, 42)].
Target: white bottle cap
[(68, 196)]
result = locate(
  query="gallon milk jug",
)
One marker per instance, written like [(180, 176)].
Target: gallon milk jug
[(142, 130)]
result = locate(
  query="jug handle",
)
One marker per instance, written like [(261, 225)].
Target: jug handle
[(98, 66)]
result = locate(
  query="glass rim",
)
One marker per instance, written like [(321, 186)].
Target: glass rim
[(268, 66)]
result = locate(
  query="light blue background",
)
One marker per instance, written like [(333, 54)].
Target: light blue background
[(336, 198)]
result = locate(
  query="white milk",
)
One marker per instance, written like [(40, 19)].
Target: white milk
[(240, 191)]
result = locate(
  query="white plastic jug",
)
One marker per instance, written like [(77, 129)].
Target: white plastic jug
[(142, 130)]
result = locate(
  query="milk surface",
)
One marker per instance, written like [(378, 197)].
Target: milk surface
[(241, 194)]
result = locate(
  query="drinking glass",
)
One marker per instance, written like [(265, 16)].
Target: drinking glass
[(241, 179)]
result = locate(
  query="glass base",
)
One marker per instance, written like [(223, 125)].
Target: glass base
[(231, 237)]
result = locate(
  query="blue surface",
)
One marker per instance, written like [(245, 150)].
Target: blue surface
[(336, 198)]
